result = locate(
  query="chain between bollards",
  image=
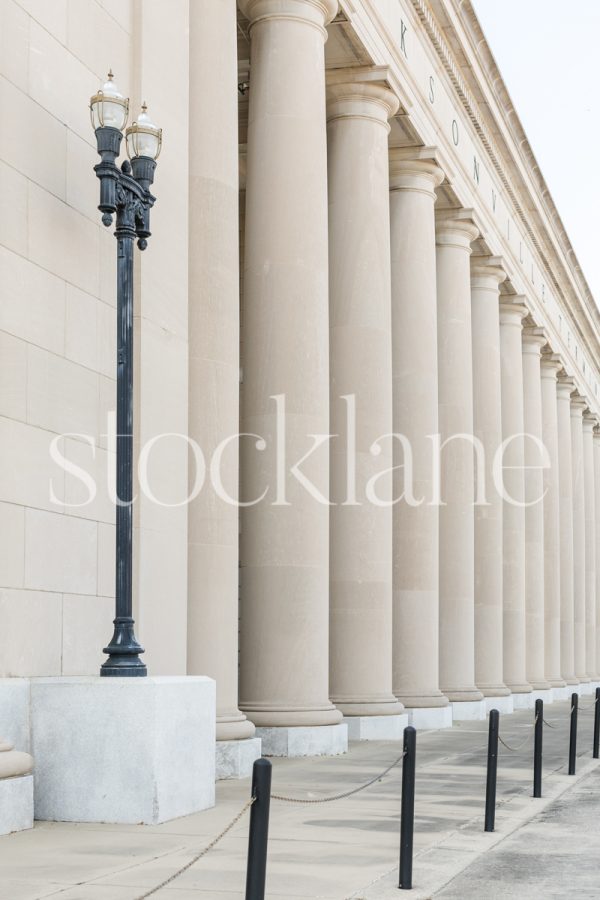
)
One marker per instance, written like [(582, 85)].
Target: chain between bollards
[(407, 814), (573, 733)]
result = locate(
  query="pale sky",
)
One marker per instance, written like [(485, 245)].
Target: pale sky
[(548, 52)]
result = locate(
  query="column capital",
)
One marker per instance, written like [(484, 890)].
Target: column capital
[(312, 12), (456, 228), (551, 364), (589, 420), (487, 272), (578, 404), (565, 387), (512, 312), (359, 97), (415, 169), (533, 339)]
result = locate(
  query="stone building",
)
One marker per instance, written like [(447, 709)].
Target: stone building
[(356, 265)]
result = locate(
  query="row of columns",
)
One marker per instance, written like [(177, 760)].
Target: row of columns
[(365, 316)]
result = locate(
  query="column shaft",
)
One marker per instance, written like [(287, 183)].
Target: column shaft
[(535, 459), (578, 404), (415, 394), (454, 234), (565, 480), (361, 398), (284, 661), (550, 366), (214, 353), (589, 422), (514, 636), (486, 275)]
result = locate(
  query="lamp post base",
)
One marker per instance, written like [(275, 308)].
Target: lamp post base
[(123, 652)]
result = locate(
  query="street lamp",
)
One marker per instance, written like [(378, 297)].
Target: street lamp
[(124, 192)]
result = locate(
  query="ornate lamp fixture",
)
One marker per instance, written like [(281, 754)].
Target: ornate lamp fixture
[(124, 193)]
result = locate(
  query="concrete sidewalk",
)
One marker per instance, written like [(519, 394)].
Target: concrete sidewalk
[(333, 851)]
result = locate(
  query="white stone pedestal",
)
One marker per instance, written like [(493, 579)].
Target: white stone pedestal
[(585, 688), (317, 740), (504, 704), (547, 695), (561, 693), (234, 759), (376, 728), (16, 804), (468, 710), (14, 712), (123, 750), (430, 718), (523, 701)]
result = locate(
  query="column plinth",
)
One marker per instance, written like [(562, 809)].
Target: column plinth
[(534, 457), (550, 366), (415, 400), (454, 233), (284, 609), (486, 276), (513, 513), (564, 389), (578, 405), (360, 637)]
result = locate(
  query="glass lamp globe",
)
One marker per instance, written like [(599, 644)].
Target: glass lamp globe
[(109, 108), (144, 138)]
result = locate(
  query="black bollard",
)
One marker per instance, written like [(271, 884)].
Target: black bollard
[(407, 815), (256, 871), (573, 735), (492, 770), (537, 748), (596, 724)]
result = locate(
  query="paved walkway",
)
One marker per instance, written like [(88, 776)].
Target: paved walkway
[(339, 850)]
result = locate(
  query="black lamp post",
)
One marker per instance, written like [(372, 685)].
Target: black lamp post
[(124, 192)]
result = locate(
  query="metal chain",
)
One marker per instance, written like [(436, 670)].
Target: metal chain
[(522, 744), (361, 787), (202, 852), (585, 708), (549, 724)]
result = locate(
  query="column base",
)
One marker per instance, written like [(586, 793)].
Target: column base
[(123, 750), (14, 712), (304, 740), (376, 728), (423, 701), (504, 704), (468, 710), (234, 727), (561, 693), (16, 804), (523, 700), (430, 718), (234, 759), (494, 690)]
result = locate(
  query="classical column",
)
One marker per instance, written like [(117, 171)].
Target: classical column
[(486, 275), (360, 556), (589, 421), (454, 233), (513, 512), (564, 389), (284, 610), (415, 394), (578, 404), (597, 497), (214, 353), (535, 460), (550, 366)]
